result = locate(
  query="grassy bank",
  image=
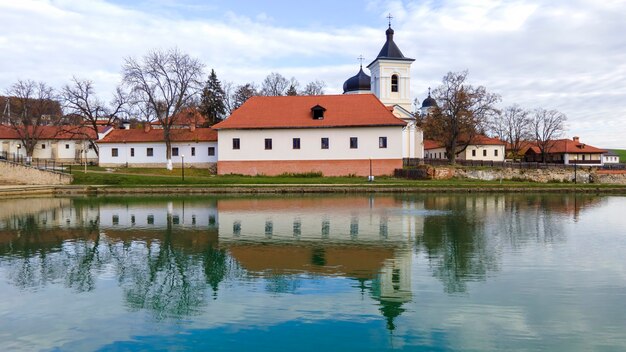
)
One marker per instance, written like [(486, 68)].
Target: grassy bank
[(140, 177)]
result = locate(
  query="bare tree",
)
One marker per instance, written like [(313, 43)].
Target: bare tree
[(162, 84), (243, 93), (513, 125), (274, 85), (28, 112), (314, 88), (461, 115), (547, 126), (79, 97), (229, 90)]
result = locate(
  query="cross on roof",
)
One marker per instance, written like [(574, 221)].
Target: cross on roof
[(361, 59), (389, 17)]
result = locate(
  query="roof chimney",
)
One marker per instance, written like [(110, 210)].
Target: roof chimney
[(576, 139), (192, 127), (146, 127)]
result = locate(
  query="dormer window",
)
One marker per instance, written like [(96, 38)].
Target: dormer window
[(318, 112), (394, 83)]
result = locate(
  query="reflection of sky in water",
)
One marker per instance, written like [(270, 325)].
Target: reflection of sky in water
[(487, 272)]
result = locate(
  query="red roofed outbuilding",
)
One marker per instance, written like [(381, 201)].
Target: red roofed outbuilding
[(146, 147)]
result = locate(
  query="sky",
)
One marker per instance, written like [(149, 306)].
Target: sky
[(568, 55)]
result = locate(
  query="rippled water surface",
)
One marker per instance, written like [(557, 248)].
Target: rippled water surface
[(311, 273)]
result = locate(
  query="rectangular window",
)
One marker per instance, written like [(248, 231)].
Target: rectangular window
[(474, 152), (150, 220), (114, 152), (211, 151), (67, 146), (325, 143), (268, 144), (382, 142), (175, 151), (116, 219), (325, 229), (296, 143), (236, 143), (484, 152), (495, 152), (269, 228), (297, 228), (149, 152), (175, 220), (90, 146), (193, 151), (132, 152), (354, 143), (43, 146), (237, 228)]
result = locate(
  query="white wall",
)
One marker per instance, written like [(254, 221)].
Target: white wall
[(609, 159), (124, 153), (480, 149), (253, 144)]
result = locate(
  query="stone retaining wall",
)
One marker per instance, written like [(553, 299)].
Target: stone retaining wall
[(582, 174), (17, 174)]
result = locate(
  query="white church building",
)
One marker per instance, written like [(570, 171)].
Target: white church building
[(366, 131)]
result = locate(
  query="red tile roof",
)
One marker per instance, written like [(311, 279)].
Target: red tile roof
[(156, 135), (53, 132), (563, 146), (478, 140), (431, 144), (484, 140), (186, 117), (350, 110)]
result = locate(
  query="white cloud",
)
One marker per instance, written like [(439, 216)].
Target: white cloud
[(567, 55)]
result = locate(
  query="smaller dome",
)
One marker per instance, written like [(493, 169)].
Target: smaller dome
[(361, 81), (429, 102)]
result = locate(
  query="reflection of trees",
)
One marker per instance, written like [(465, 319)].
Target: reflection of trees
[(456, 244), (164, 275)]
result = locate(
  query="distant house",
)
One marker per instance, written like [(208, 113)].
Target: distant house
[(146, 147), (482, 148), (184, 119), (565, 151), (610, 157), (336, 135), (58, 143)]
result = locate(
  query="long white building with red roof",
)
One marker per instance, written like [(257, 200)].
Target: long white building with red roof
[(332, 134), (146, 147)]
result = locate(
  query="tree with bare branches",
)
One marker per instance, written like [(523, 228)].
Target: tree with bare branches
[(314, 88), (162, 83), (30, 105), (513, 125), (274, 84), (547, 126), (79, 98), (461, 115)]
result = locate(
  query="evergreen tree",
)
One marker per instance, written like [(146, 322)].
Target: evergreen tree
[(292, 91), (212, 101)]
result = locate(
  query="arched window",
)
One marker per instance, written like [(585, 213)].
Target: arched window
[(394, 83)]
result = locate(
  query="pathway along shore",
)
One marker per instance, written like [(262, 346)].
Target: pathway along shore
[(25, 191)]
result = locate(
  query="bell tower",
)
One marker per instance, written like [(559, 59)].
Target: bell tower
[(391, 74)]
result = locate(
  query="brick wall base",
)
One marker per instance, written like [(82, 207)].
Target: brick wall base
[(380, 167)]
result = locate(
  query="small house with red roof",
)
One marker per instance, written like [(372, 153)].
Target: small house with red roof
[(146, 147), (336, 135), (564, 151), (482, 148)]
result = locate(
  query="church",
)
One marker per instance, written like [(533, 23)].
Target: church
[(367, 130)]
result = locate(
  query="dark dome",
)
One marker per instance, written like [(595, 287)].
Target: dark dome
[(429, 102), (361, 81)]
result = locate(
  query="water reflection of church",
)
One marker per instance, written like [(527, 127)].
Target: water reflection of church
[(369, 239)]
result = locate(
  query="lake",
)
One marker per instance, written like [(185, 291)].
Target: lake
[(489, 272)]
